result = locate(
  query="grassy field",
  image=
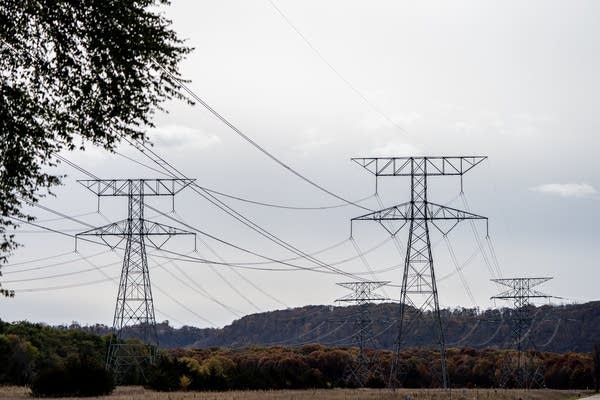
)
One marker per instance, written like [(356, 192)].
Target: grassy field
[(138, 393)]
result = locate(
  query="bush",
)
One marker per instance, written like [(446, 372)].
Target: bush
[(165, 375), (77, 377)]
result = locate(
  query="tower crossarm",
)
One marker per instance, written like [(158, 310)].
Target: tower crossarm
[(400, 212), (404, 166), (363, 291), (118, 228), (521, 290), (149, 187), (354, 299), (149, 229), (513, 294), (515, 283), (420, 210), (437, 211)]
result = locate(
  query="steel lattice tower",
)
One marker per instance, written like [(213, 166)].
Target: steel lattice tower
[(363, 293), (419, 288), (522, 372), (134, 310)]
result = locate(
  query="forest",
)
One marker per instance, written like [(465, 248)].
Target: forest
[(44, 357)]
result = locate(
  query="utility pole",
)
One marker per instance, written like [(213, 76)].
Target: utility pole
[(521, 372), (363, 293), (134, 310), (419, 288)]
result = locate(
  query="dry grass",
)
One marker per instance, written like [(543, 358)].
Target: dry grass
[(138, 393)]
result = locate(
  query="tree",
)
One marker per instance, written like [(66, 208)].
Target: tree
[(74, 74), (596, 356)]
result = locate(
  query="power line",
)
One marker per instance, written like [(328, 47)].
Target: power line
[(279, 261), (164, 292), (494, 272), (458, 270), (461, 267), (252, 142), (320, 265), (234, 288), (63, 159), (37, 259), (61, 287), (61, 275), (235, 271), (241, 218), (63, 218), (335, 70), (185, 257), (239, 132), (244, 199), (181, 223), (272, 205), (230, 211), (197, 287), (105, 279), (75, 220)]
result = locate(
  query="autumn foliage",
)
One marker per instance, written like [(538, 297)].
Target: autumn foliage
[(316, 366), (33, 354)]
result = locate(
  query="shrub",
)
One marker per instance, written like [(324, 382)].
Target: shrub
[(165, 375), (77, 377)]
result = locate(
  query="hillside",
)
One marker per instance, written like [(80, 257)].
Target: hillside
[(560, 329)]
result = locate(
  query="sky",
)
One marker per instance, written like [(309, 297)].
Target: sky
[(316, 83)]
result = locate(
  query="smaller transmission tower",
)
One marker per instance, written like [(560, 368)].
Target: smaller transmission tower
[(363, 293), (522, 371), (134, 310)]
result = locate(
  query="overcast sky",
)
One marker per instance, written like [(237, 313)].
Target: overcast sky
[(516, 81)]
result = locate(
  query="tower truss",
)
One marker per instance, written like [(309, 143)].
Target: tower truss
[(419, 292), (134, 309), (523, 371)]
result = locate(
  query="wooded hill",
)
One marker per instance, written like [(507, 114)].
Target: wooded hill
[(555, 328)]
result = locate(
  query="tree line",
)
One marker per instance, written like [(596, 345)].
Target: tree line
[(317, 366), (70, 362)]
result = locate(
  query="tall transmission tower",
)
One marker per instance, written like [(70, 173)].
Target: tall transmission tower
[(419, 292), (523, 371), (134, 310), (363, 293)]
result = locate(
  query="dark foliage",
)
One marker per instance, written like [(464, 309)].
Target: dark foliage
[(78, 376), (26, 349), (596, 357), (315, 366), (74, 73), (68, 362), (165, 375)]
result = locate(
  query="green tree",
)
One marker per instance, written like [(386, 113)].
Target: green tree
[(74, 74)]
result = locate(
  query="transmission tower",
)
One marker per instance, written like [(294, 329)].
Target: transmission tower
[(522, 372), (134, 310), (419, 292), (363, 293)]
